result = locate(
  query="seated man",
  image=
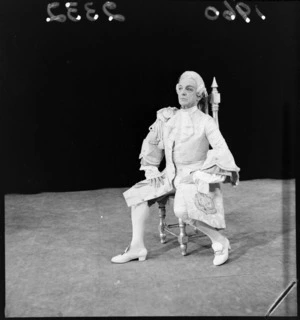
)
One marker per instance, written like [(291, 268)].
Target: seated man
[(192, 170)]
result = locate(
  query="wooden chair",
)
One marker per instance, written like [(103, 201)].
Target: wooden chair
[(183, 237)]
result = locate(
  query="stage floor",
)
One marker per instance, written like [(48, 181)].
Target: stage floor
[(58, 248)]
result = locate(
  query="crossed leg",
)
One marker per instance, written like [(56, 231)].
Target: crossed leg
[(220, 243)]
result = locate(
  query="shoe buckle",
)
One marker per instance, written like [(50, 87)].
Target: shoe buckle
[(126, 249), (219, 252)]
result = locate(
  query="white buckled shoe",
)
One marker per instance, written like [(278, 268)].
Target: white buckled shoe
[(221, 252), (127, 256)]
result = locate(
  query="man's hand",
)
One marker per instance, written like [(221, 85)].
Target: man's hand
[(157, 182)]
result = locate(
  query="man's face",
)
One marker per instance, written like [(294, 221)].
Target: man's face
[(186, 90)]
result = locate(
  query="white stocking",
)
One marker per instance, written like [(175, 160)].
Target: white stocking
[(212, 233), (139, 215)]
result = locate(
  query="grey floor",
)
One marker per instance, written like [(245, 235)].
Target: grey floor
[(58, 248)]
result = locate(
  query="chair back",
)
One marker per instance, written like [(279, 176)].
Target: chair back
[(214, 99)]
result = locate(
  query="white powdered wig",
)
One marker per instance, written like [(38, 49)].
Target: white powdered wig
[(198, 80)]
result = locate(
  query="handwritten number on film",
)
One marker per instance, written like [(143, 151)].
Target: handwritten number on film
[(53, 17), (210, 12), (91, 15), (90, 12), (242, 8)]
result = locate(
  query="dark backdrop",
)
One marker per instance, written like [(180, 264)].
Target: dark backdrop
[(77, 98)]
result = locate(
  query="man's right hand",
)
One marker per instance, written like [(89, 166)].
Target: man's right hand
[(157, 182)]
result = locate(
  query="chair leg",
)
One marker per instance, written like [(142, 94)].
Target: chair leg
[(182, 238), (162, 223)]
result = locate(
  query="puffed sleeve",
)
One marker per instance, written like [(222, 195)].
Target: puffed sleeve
[(152, 148), (219, 159), (152, 151)]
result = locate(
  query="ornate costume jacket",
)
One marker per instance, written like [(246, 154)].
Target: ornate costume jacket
[(183, 136)]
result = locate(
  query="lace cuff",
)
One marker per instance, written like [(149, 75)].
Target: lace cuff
[(203, 179), (151, 172)]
